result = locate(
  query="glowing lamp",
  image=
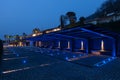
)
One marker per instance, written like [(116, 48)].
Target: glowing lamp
[(102, 45), (82, 45)]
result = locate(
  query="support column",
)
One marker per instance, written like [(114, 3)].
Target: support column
[(59, 44), (31, 43), (72, 44), (114, 51), (88, 42), (40, 43), (36, 43), (24, 43), (68, 45)]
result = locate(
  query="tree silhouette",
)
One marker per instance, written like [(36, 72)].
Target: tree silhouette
[(24, 35), (6, 38), (109, 6), (82, 20), (36, 31), (62, 21), (16, 39), (72, 17)]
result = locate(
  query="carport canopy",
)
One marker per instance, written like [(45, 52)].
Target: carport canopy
[(75, 33)]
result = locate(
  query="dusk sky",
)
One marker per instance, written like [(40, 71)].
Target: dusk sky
[(18, 16)]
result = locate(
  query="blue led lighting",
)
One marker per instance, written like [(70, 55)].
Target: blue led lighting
[(24, 61), (97, 65), (109, 59), (14, 53), (63, 52), (104, 62), (66, 58), (58, 53), (73, 56), (17, 55), (51, 54), (113, 57)]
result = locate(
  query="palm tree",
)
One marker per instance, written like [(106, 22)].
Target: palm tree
[(7, 38), (72, 17), (24, 41), (36, 30), (24, 35), (10, 37), (17, 39)]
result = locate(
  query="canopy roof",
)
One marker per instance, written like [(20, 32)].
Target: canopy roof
[(87, 32)]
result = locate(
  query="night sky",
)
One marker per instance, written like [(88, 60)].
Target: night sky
[(18, 16)]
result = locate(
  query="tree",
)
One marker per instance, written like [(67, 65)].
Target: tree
[(109, 6), (82, 20), (117, 6), (72, 17), (36, 31), (62, 21), (24, 35), (6, 38), (10, 37), (17, 39)]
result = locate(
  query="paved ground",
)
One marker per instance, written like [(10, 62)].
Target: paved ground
[(30, 63)]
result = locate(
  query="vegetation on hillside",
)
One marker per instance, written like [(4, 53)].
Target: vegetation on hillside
[(109, 6)]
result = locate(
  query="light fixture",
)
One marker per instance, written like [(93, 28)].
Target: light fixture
[(102, 45), (82, 45), (68, 45), (33, 35)]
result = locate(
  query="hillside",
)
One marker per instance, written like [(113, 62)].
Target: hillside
[(113, 26), (107, 8)]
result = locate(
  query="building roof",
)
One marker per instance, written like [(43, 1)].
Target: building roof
[(87, 32)]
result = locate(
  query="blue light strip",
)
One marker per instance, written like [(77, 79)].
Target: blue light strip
[(68, 36), (105, 61), (114, 48), (102, 35), (87, 47)]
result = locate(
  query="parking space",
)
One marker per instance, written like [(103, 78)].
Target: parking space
[(32, 63)]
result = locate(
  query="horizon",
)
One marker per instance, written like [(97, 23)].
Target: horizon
[(17, 17)]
